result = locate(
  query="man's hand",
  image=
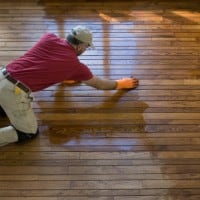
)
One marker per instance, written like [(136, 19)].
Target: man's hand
[(127, 83)]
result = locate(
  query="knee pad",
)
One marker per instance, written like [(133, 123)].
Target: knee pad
[(22, 137)]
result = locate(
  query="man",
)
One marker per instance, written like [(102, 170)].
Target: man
[(51, 60)]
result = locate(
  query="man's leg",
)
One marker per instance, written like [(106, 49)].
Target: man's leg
[(23, 128), (19, 111)]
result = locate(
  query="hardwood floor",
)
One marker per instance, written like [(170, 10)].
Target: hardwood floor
[(141, 144)]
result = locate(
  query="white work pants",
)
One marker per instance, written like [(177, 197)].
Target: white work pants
[(17, 106)]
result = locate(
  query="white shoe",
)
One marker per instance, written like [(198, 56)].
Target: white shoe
[(8, 135)]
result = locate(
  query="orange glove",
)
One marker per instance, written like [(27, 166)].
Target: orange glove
[(127, 83), (69, 82)]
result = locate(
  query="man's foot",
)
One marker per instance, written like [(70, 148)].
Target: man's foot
[(8, 135)]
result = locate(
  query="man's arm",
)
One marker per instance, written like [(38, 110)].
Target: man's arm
[(106, 84)]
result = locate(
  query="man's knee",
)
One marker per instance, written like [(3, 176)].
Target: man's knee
[(22, 137)]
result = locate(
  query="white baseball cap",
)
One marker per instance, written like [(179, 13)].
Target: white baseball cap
[(83, 34)]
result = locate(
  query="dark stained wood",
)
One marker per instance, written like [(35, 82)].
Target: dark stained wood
[(141, 144)]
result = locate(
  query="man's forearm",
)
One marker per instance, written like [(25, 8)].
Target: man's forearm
[(101, 84)]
